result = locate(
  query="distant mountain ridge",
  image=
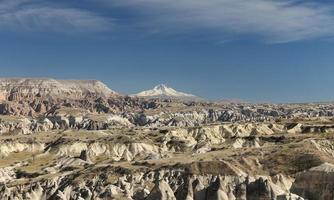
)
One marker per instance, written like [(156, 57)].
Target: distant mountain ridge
[(16, 88), (162, 91), (29, 88)]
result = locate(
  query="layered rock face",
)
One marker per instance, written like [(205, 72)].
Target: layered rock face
[(316, 183), (32, 97), (228, 161), (23, 89), (80, 140)]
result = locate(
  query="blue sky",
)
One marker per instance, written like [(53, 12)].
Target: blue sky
[(259, 50)]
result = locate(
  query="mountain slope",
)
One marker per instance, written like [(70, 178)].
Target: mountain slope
[(161, 91), (17, 88)]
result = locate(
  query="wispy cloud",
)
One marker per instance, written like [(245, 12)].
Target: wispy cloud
[(274, 20), (31, 15)]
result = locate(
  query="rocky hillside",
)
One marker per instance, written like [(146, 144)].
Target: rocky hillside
[(243, 161), (31, 97), (79, 140), (24, 88)]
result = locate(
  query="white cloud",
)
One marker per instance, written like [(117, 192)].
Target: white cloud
[(273, 20), (30, 15)]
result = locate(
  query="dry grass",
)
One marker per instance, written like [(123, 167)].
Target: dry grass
[(15, 158), (291, 158), (38, 162), (8, 119), (72, 111)]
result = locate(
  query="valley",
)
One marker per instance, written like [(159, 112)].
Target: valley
[(94, 143)]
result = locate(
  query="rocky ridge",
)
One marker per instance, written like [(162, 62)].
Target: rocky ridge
[(25, 88), (92, 144)]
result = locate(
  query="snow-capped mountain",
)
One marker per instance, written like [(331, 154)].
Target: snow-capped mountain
[(164, 92)]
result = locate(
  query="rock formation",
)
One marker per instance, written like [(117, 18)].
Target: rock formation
[(80, 140)]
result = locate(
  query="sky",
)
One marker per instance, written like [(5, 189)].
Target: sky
[(253, 50)]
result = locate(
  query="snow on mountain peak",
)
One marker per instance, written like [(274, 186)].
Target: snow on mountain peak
[(160, 87), (163, 91)]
